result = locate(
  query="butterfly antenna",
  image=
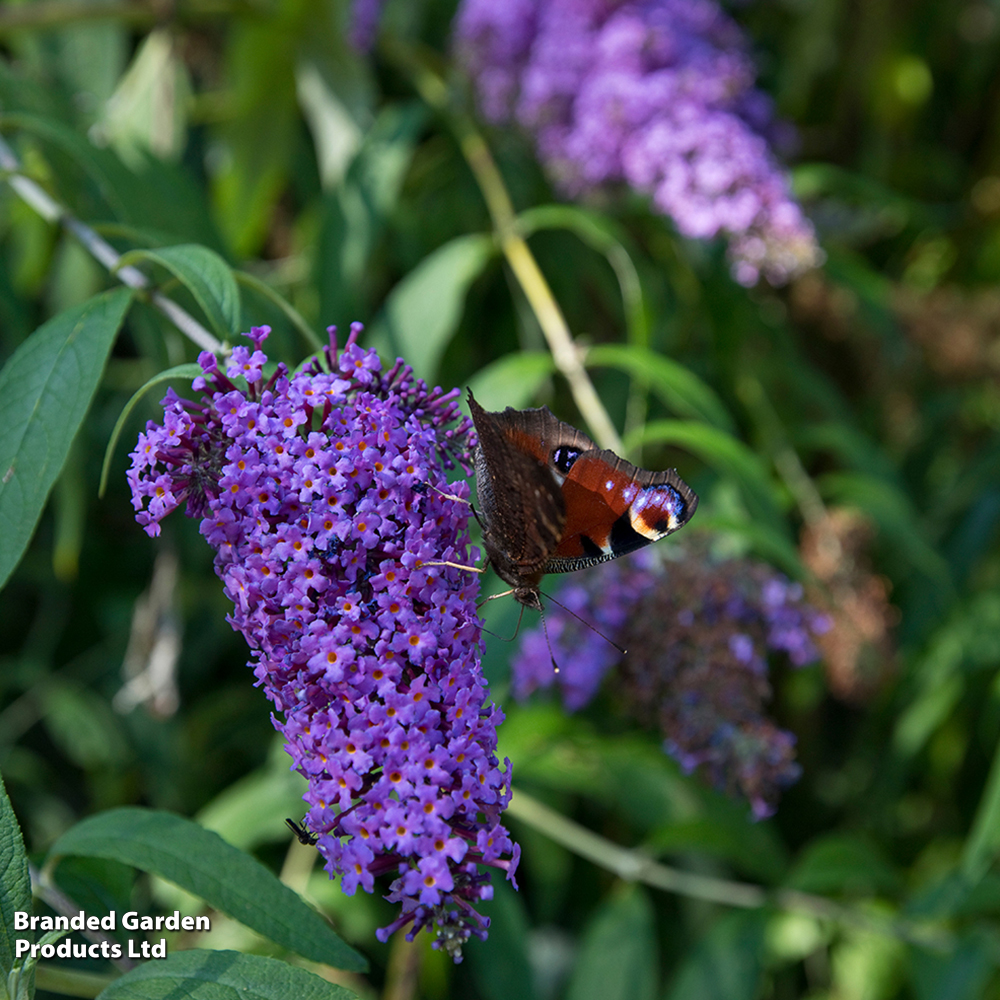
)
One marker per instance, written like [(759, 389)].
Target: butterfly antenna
[(583, 621), (545, 631)]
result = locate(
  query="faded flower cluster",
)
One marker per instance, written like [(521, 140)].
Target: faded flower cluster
[(697, 633), (320, 494), (655, 94)]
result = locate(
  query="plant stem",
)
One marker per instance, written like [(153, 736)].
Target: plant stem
[(522, 262), (636, 866), (36, 197)]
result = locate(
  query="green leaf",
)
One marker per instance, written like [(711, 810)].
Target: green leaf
[(499, 965), (958, 974), (511, 380), (842, 863), (15, 883), (355, 212), (101, 166), (423, 311), (726, 964), (983, 843), (188, 372), (253, 810), (727, 455), (680, 389), (204, 864), (617, 959), (221, 975), (45, 391), (206, 276)]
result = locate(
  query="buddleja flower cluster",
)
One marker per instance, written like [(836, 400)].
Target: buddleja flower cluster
[(320, 493), (655, 94), (697, 633)]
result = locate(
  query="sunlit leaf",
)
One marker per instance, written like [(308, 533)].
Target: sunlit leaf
[(512, 380), (204, 864), (45, 391), (424, 309), (206, 276), (221, 975)]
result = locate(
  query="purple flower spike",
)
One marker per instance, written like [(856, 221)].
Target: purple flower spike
[(697, 634), (320, 493), (364, 19), (655, 94)]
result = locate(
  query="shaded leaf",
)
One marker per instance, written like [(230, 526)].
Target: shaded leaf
[(894, 514), (983, 843), (15, 883), (681, 390), (727, 962), (841, 863), (263, 289), (958, 974), (604, 236), (355, 212), (500, 964), (727, 455), (617, 958)]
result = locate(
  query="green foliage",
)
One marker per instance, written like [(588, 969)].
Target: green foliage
[(219, 975), (45, 391), (259, 170), (206, 866)]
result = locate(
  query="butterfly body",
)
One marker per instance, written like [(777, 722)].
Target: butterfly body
[(551, 501)]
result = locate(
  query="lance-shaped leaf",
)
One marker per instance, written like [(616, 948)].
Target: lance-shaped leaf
[(204, 864), (45, 392)]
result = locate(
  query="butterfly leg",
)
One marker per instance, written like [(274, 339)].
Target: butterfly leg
[(493, 597), (451, 496)]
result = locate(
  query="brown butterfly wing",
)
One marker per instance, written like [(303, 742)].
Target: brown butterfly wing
[(518, 493)]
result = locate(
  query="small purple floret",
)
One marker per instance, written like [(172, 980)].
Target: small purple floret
[(319, 493)]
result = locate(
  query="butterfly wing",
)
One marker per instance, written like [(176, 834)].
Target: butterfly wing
[(613, 508), (554, 502), (520, 499)]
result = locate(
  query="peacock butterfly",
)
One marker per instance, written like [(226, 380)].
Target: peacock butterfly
[(551, 501)]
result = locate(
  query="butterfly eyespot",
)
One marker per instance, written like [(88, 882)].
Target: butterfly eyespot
[(563, 458)]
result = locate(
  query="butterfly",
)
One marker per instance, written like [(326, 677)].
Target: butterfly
[(551, 501)]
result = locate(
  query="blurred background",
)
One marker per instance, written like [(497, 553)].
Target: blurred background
[(856, 406)]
